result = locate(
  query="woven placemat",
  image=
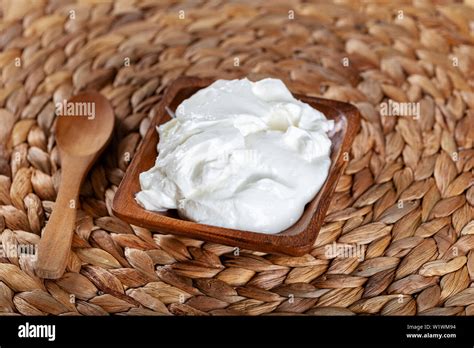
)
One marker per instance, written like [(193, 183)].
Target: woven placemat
[(399, 236)]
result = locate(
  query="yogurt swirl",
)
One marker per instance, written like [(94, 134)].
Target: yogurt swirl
[(240, 154)]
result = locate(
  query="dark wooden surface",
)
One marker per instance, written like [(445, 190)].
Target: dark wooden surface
[(296, 240)]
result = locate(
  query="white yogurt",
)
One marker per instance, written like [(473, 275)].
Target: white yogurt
[(239, 154)]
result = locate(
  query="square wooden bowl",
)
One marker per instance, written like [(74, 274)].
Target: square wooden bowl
[(296, 240)]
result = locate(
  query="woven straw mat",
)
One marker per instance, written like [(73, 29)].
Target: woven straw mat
[(405, 200)]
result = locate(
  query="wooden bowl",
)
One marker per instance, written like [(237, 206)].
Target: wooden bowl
[(296, 240)]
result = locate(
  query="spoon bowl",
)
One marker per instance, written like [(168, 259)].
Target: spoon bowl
[(83, 129), (79, 132)]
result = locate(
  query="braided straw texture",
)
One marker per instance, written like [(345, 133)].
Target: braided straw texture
[(404, 203)]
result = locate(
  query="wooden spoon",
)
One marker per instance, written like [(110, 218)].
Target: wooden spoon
[(81, 137)]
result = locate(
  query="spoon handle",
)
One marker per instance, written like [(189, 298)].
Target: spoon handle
[(55, 243)]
